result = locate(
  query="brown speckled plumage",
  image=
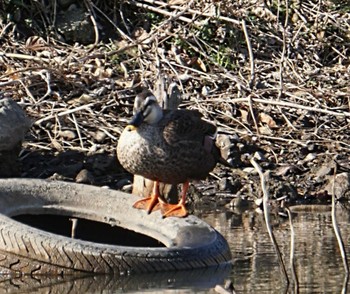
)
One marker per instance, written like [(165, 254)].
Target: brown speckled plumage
[(174, 149)]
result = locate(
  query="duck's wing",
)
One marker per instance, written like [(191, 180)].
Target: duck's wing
[(186, 125)]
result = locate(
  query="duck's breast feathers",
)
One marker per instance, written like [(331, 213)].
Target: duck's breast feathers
[(185, 125)]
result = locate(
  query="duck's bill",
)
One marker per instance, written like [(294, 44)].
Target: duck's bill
[(136, 120)]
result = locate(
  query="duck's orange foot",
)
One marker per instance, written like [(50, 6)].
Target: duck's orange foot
[(176, 210), (149, 204)]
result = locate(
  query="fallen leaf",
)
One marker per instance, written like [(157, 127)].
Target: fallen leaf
[(267, 119)]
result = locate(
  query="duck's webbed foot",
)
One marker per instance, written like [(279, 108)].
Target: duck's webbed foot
[(149, 203)]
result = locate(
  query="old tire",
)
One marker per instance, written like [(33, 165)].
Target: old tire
[(188, 243)]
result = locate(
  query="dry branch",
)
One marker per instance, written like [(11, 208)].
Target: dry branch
[(267, 218)]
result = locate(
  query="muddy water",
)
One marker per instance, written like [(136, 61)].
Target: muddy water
[(255, 268), (318, 264)]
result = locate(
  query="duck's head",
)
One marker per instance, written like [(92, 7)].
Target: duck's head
[(146, 110)]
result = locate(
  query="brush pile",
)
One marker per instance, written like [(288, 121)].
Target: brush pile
[(273, 75)]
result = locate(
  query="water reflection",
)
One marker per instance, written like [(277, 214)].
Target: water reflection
[(318, 262), (198, 281), (255, 268)]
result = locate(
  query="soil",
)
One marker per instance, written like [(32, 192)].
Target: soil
[(275, 80)]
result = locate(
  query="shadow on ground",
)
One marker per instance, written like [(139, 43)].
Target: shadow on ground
[(98, 169)]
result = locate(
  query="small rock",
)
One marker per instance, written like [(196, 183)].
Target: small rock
[(13, 124), (84, 176), (341, 185), (259, 156), (228, 149), (250, 170), (229, 286), (231, 161), (239, 202), (65, 3), (127, 188), (322, 171), (310, 157), (223, 184), (223, 141), (100, 136), (205, 91), (284, 170), (9, 164), (240, 146), (311, 147), (221, 290), (184, 77), (122, 183), (68, 135), (75, 26), (258, 201), (58, 177), (92, 150)]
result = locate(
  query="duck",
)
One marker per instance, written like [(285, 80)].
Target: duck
[(167, 146)]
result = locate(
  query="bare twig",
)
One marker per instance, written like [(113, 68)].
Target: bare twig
[(251, 55), (78, 131), (25, 57), (267, 218), (125, 36), (251, 109), (292, 105), (74, 227), (167, 13), (336, 228), (196, 12), (45, 75), (88, 5), (291, 257), (69, 111)]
